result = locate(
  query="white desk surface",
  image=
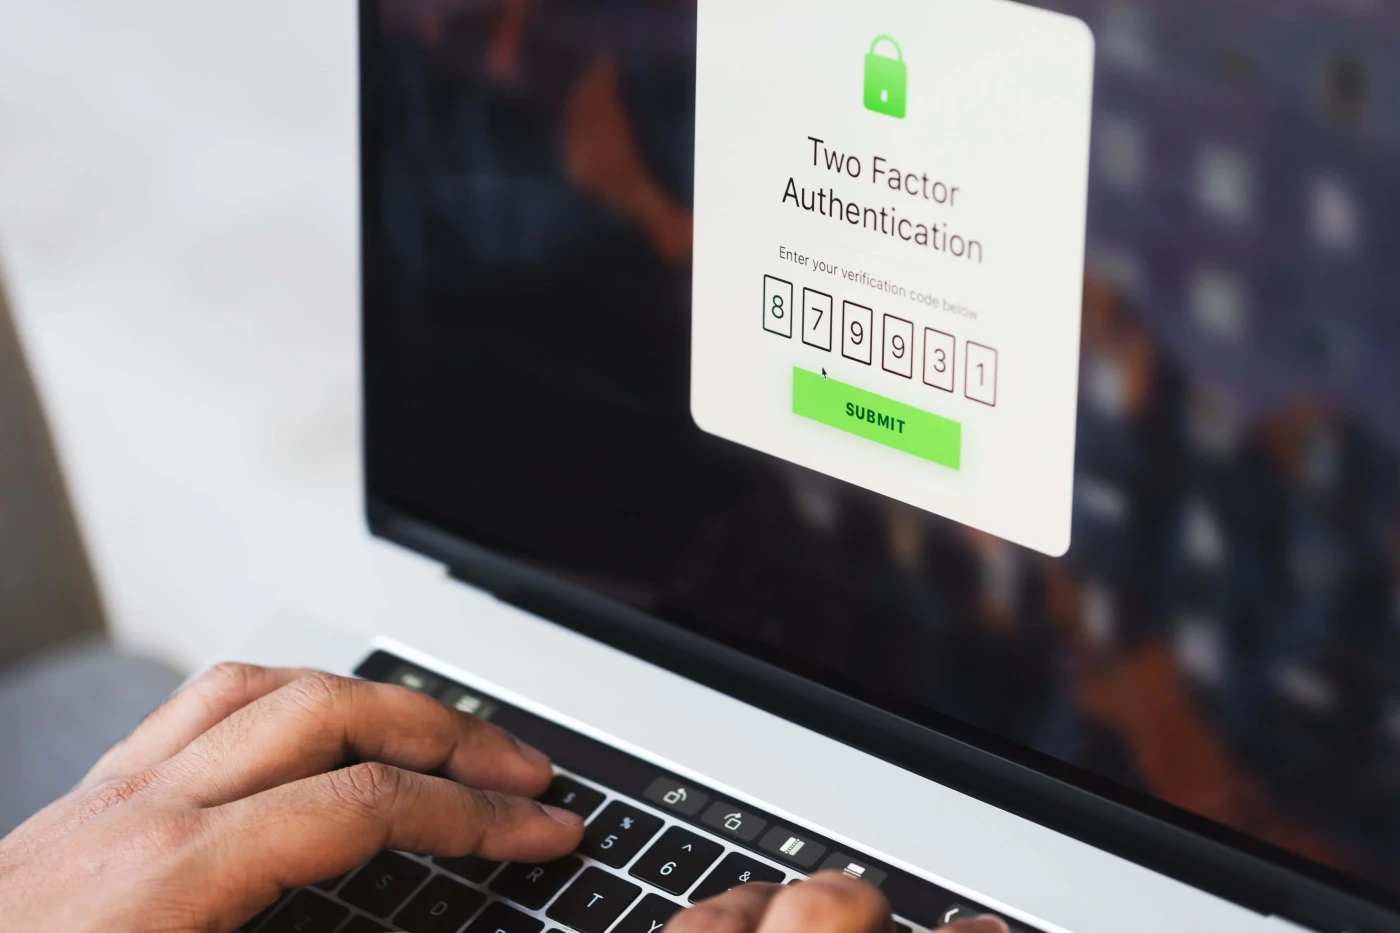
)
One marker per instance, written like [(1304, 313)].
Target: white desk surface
[(178, 224)]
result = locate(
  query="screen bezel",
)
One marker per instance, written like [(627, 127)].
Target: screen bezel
[(1164, 838)]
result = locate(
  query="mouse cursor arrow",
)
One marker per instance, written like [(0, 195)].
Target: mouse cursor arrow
[(824, 375)]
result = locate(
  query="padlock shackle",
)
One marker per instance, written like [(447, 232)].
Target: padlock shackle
[(890, 39)]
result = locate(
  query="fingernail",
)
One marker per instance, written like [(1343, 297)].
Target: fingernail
[(986, 924), (531, 754), (559, 815)]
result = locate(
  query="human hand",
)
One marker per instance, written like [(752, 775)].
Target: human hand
[(829, 902), (238, 788)]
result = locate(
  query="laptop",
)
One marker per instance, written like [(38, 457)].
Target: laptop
[(949, 442)]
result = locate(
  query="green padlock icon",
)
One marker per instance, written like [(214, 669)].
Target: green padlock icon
[(885, 80)]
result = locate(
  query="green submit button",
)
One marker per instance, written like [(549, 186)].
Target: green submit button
[(877, 418)]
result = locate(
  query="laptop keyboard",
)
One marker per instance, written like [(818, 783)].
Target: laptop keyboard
[(653, 845)]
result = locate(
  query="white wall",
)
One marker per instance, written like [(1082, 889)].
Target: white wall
[(178, 222)]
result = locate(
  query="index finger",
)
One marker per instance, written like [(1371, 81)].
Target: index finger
[(320, 827), (738, 910), (319, 721), (829, 902)]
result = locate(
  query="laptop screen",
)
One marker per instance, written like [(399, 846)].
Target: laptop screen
[(1030, 371)]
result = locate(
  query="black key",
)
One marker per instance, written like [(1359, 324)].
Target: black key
[(619, 833), (840, 861), (649, 916), (261, 918), (958, 912), (363, 925), (330, 884), (902, 927), (789, 846), (594, 901), (469, 703), (306, 912), (441, 907), (383, 884), (415, 678), (676, 860), (676, 796), (733, 822), (736, 869), (571, 795), (533, 885), (502, 918), (469, 867)]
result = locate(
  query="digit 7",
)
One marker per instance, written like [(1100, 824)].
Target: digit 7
[(817, 326)]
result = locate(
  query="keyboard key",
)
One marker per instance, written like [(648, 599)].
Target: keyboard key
[(502, 918), (384, 884), (532, 886), (790, 847), (469, 867), (330, 884), (958, 912), (594, 901), (676, 860), (441, 907), (649, 916), (469, 703), (736, 869), (672, 795), (902, 927), (840, 861), (571, 795), (306, 912), (363, 925), (619, 833), (732, 821), (405, 675)]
